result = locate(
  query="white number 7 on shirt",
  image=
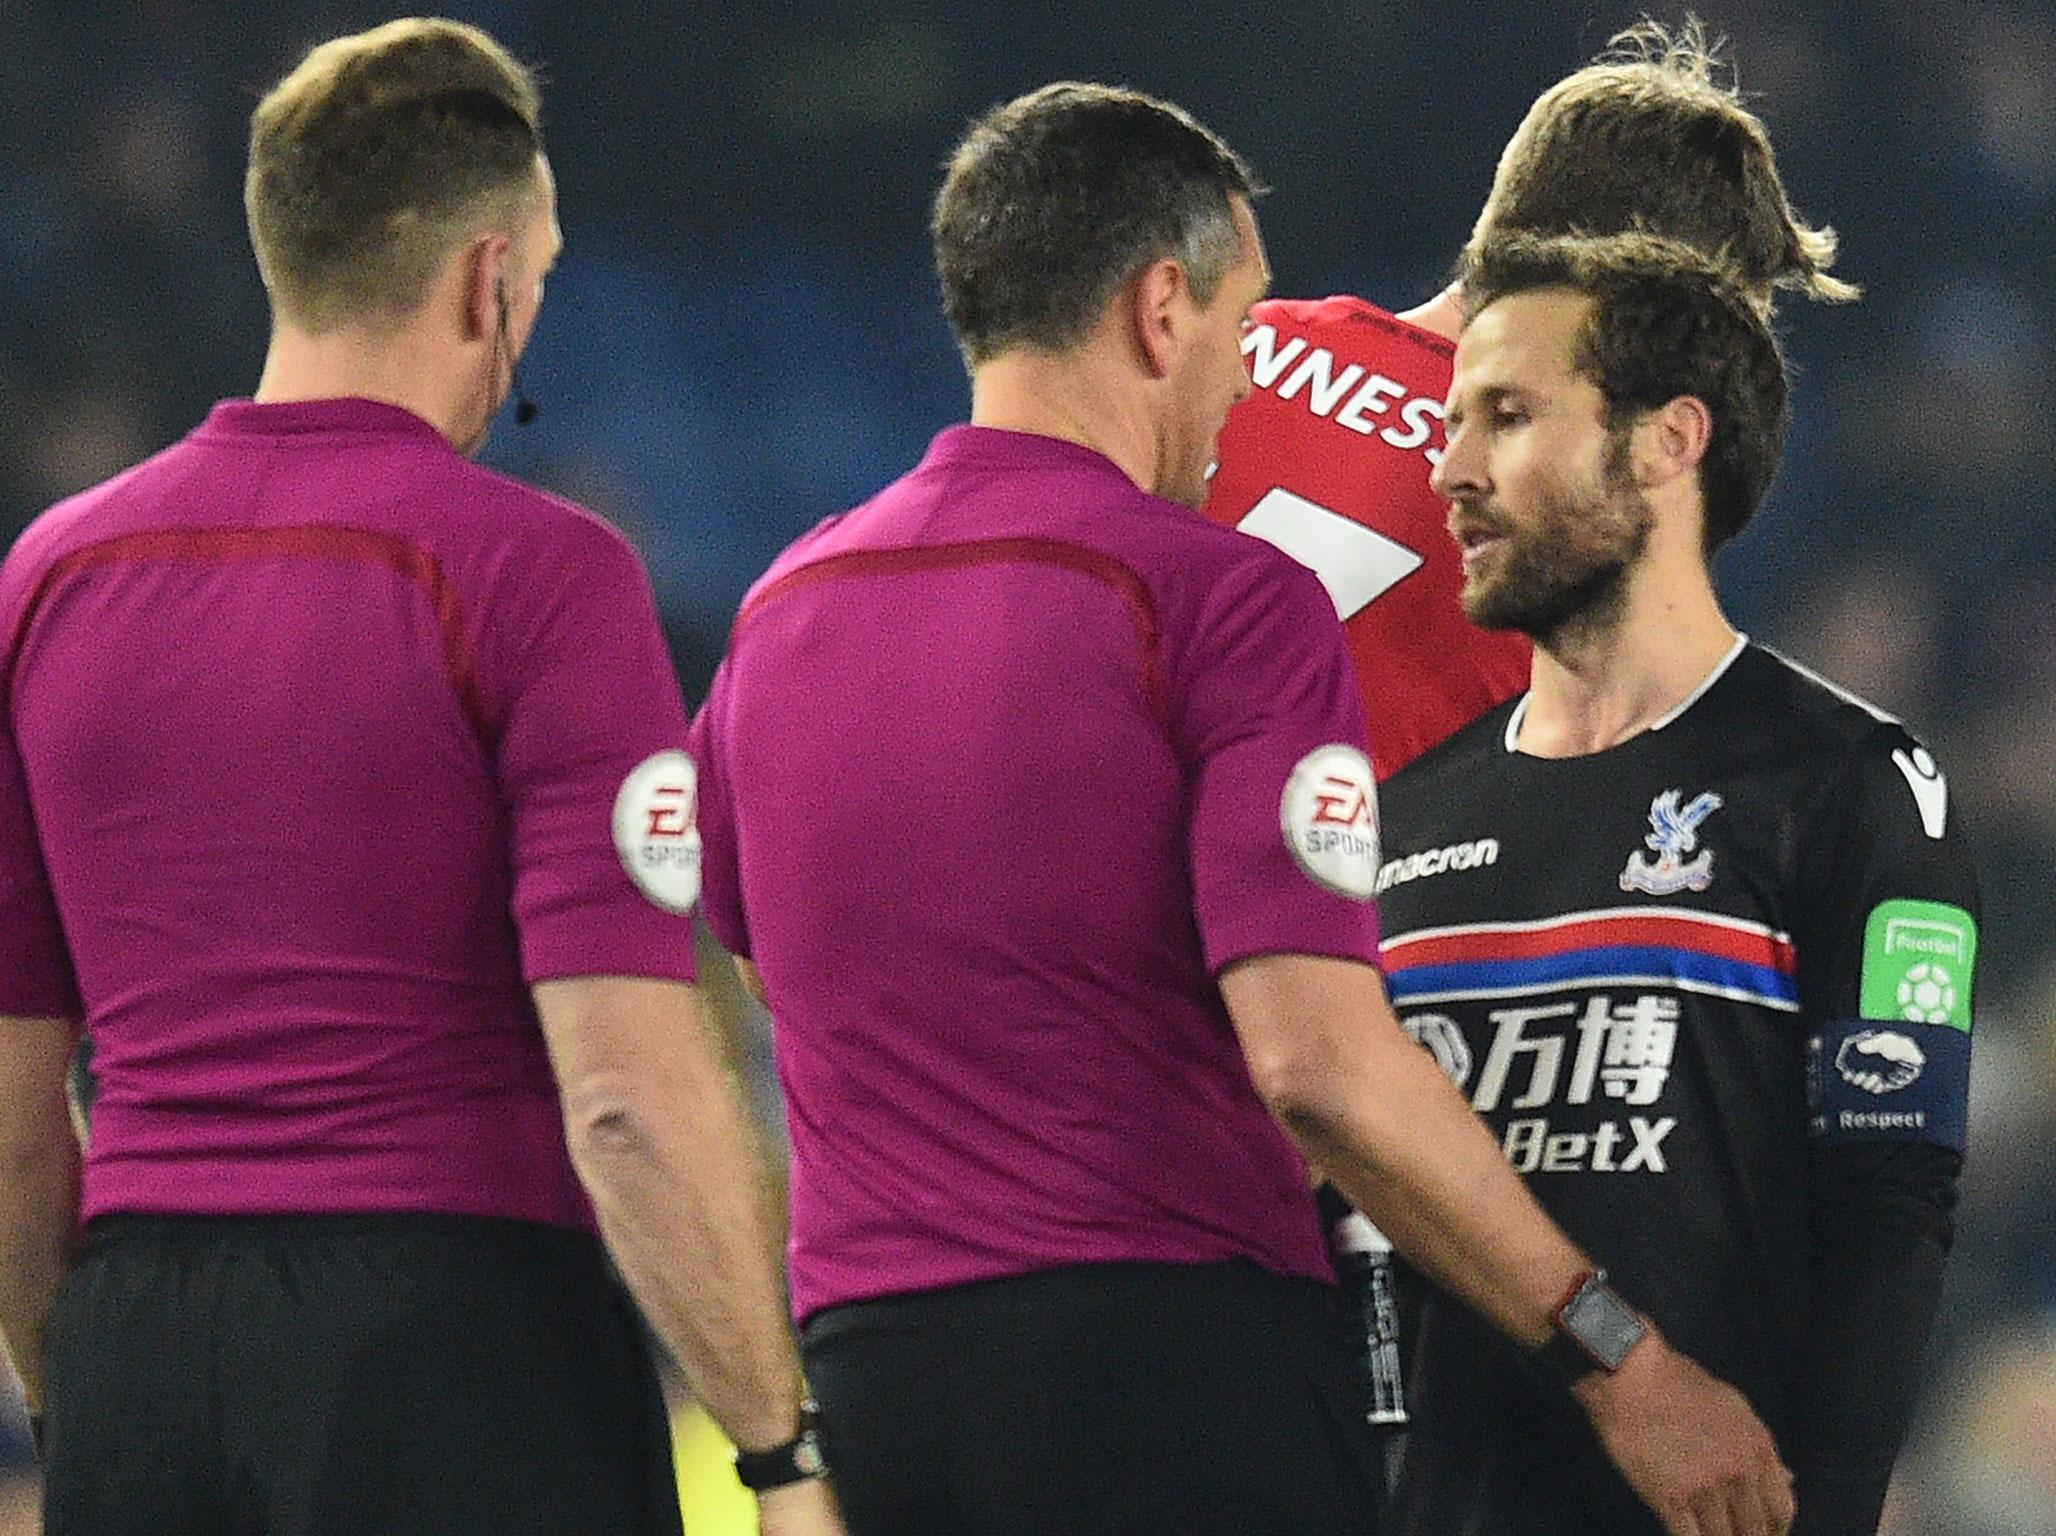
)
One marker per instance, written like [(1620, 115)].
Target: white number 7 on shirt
[(1356, 564)]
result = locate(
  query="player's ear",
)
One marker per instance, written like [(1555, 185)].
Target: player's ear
[(1672, 441), (1155, 297)]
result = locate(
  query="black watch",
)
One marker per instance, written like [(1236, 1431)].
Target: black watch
[(1595, 1329), (793, 1462)]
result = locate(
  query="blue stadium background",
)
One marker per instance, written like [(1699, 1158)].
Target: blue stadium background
[(743, 337)]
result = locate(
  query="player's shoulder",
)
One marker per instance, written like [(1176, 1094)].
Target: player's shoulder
[(1811, 710), (85, 521), (1205, 583), (528, 507), (1213, 556), (1351, 324), (1839, 737)]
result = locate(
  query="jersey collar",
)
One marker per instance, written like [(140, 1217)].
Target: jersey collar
[(1520, 708)]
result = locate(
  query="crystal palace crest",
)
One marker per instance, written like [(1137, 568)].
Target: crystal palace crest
[(1680, 863)]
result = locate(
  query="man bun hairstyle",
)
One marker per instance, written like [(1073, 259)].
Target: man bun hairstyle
[(1054, 200), (1653, 135), (1667, 320)]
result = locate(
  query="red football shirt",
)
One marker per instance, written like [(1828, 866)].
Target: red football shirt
[(1329, 460)]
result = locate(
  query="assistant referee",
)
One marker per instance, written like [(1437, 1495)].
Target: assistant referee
[(342, 801)]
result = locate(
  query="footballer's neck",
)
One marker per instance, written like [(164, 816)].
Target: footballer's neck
[(1597, 684), (1085, 396), (1442, 315)]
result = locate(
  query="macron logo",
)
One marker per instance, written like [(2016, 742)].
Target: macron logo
[(1436, 861), (1930, 790)]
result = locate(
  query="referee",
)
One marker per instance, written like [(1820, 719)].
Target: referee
[(1040, 808), (342, 800)]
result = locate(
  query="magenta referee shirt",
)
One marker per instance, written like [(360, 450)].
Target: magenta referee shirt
[(319, 744), (1002, 768)]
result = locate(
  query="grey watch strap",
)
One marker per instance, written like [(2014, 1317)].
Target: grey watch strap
[(1595, 1329)]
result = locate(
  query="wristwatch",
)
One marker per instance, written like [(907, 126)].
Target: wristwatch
[(793, 1462), (1595, 1329)]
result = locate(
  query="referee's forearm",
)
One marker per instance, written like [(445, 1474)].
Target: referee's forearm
[(39, 1213), (680, 1194), (1374, 1112), (1415, 1159), (660, 1139)]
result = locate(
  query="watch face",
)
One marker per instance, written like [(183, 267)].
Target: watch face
[(1603, 1323)]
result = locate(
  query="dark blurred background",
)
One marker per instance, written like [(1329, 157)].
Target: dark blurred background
[(743, 337)]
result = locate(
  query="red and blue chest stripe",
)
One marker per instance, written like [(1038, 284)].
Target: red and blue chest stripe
[(1661, 946)]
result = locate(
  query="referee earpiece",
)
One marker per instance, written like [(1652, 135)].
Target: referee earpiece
[(525, 409)]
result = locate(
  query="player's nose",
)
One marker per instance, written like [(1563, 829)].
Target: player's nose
[(1462, 469)]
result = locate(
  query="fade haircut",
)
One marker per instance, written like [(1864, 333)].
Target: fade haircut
[(1056, 199), (1653, 135), (378, 156), (1667, 320)]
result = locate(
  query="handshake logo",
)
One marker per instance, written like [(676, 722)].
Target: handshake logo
[(1880, 1061)]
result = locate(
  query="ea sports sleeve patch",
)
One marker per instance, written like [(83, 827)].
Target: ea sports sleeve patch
[(655, 831), (1329, 816)]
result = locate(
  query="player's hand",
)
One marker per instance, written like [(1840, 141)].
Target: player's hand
[(1689, 1445), (800, 1509)]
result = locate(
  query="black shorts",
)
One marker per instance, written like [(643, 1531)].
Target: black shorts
[(351, 1375), (1100, 1400)]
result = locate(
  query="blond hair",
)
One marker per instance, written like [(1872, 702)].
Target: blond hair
[(379, 155), (1653, 135)]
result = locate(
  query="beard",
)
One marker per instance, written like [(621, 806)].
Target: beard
[(1186, 477), (1566, 571), (1186, 486)]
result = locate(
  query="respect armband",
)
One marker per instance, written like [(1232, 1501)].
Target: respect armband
[(1869, 1082)]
